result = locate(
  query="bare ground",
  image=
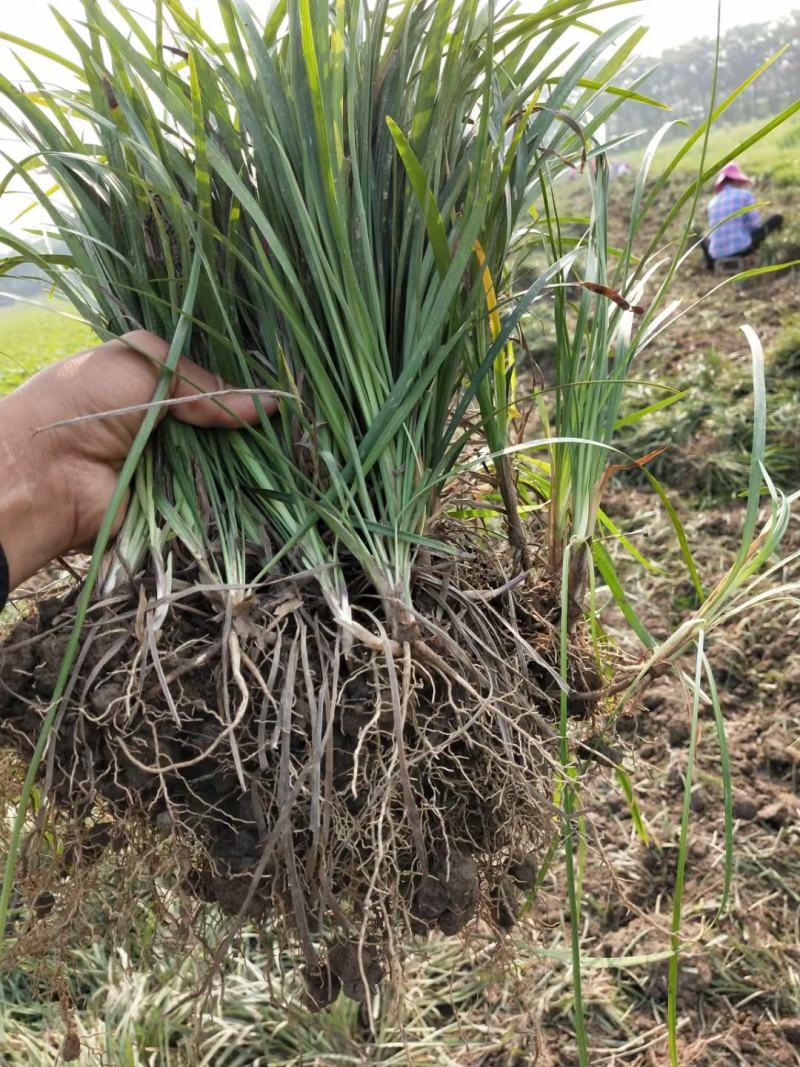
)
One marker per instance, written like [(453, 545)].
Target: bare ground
[(739, 992)]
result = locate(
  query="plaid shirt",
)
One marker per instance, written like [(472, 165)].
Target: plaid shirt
[(734, 236)]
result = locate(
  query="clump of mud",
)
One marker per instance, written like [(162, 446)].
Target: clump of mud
[(353, 793)]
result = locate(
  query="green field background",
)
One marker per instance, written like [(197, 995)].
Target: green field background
[(31, 337)]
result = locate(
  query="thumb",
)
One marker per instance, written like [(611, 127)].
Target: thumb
[(190, 380)]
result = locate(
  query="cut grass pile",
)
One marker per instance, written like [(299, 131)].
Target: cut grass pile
[(446, 1009), (706, 436), (785, 356)]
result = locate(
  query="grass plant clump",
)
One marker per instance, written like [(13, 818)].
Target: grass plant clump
[(328, 675), (335, 702)]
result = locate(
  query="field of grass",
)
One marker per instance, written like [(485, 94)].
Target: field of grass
[(774, 158), (31, 337)]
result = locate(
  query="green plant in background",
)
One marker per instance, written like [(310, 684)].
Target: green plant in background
[(325, 207), (785, 355), (704, 441)]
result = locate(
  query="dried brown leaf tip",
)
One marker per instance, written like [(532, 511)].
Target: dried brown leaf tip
[(111, 98), (642, 461), (612, 294), (568, 120)]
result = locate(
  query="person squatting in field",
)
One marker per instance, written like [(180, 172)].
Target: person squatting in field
[(56, 483), (734, 230)]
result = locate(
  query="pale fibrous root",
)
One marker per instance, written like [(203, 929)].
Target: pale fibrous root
[(352, 799)]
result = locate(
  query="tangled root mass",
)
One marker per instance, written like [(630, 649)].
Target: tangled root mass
[(353, 795)]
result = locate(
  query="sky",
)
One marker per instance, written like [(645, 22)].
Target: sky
[(671, 21)]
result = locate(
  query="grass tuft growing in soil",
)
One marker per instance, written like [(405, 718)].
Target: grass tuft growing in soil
[(343, 709)]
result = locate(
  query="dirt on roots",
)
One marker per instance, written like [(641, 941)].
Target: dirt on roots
[(354, 796)]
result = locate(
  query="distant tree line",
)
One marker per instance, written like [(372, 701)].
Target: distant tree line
[(682, 77)]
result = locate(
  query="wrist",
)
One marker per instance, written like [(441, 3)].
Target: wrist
[(32, 524)]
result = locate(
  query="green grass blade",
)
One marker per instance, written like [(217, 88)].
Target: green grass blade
[(568, 805), (727, 784), (633, 805), (683, 850), (425, 198), (680, 533), (608, 573)]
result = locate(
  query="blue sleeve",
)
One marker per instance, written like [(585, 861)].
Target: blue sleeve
[(4, 590)]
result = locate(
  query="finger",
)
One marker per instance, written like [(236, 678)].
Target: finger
[(226, 413), (143, 342)]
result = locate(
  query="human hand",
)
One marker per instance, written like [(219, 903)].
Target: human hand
[(56, 485)]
